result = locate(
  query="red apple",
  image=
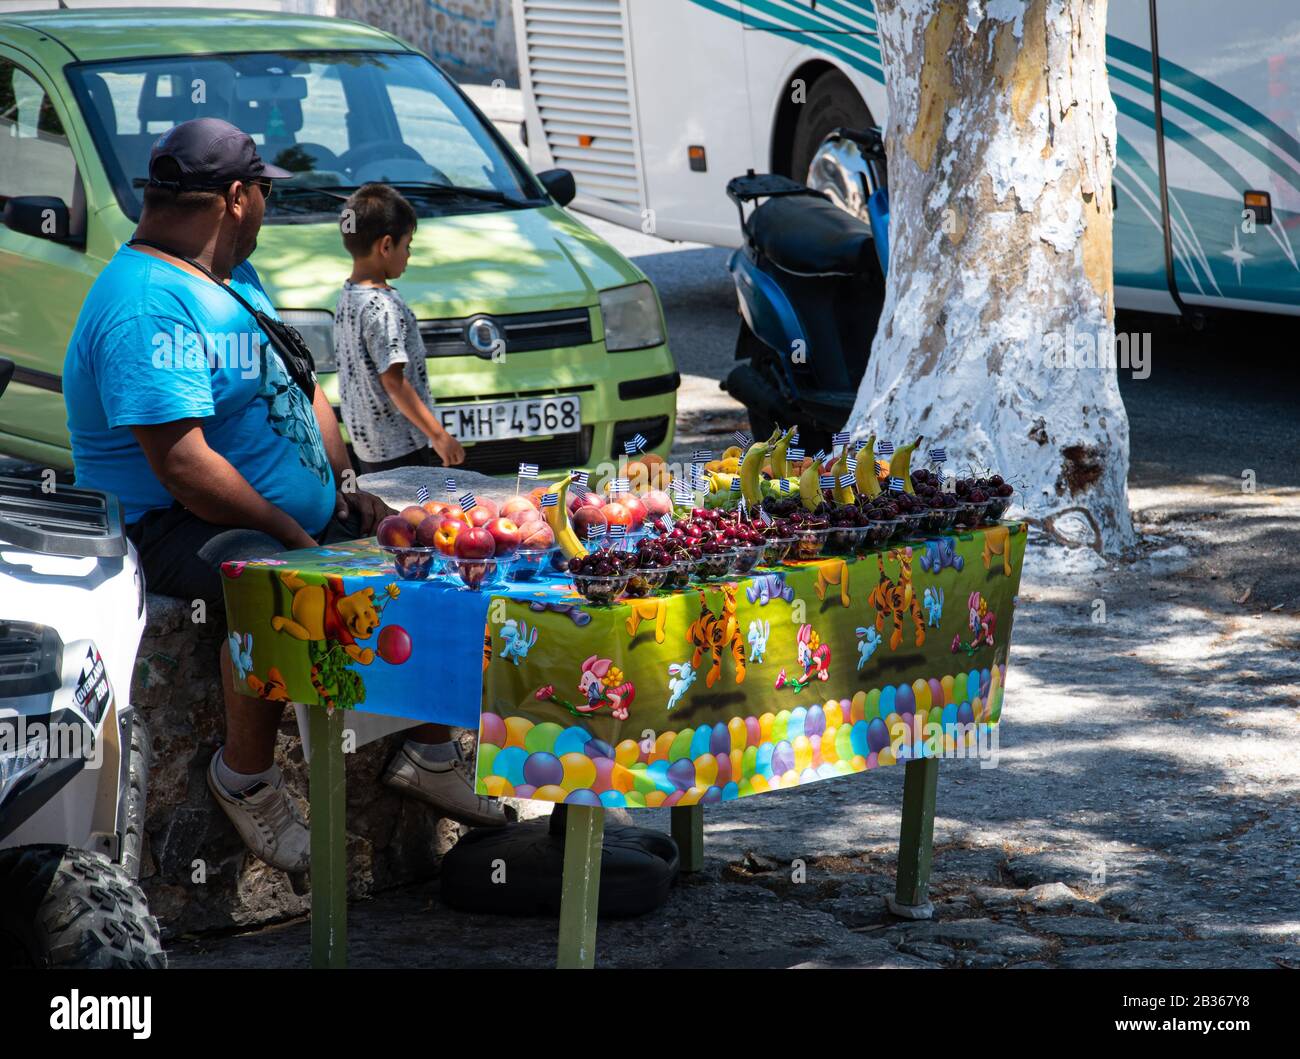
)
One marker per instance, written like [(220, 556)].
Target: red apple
[(445, 536), (519, 508), (475, 542), (395, 532), (586, 517), (537, 535), (616, 513), (657, 503), (587, 499), (414, 515), (426, 533), (636, 509), (506, 534)]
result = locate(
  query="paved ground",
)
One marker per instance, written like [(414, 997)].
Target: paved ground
[(1145, 810)]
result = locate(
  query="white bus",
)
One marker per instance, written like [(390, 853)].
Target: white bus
[(655, 104)]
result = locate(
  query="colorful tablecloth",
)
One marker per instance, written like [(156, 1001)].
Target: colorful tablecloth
[(791, 675)]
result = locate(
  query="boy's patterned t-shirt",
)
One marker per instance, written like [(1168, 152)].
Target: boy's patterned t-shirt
[(373, 330)]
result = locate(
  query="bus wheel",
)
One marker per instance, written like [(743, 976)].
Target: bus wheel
[(832, 103)]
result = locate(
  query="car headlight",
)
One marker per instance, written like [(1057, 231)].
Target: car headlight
[(317, 329), (21, 761), (632, 318)]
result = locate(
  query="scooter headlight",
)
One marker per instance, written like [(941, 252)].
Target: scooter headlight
[(632, 318)]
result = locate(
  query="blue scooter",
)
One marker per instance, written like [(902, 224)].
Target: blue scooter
[(810, 281)]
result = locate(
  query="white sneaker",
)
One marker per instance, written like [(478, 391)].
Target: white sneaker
[(267, 819), (446, 785)]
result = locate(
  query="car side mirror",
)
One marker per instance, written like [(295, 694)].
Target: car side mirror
[(43, 216), (560, 185)]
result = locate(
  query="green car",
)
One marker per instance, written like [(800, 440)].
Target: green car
[(545, 345)]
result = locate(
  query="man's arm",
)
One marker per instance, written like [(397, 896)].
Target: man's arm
[(403, 395), (205, 482), (367, 507)]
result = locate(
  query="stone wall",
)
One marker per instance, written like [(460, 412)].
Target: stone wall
[(195, 871)]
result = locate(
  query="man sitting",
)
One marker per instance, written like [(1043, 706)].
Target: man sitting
[(179, 405)]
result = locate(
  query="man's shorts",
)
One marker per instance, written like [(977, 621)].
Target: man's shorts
[(181, 554)]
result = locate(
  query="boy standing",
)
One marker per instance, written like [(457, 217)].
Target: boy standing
[(387, 408), (383, 385)]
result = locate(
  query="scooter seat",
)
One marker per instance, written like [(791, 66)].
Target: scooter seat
[(809, 235)]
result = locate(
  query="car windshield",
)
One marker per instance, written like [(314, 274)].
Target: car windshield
[(336, 120)]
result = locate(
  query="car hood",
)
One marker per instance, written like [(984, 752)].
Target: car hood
[(509, 261)]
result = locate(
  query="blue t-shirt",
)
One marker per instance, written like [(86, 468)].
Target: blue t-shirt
[(154, 344)]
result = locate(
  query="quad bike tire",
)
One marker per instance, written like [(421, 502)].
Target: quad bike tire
[(136, 793), (70, 908)]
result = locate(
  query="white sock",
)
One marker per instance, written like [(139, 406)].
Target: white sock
[(238, 782)]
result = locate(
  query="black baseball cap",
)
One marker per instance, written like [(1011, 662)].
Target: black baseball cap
[(207, 154)]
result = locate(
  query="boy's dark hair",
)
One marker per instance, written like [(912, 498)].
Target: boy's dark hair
[(375, 210)]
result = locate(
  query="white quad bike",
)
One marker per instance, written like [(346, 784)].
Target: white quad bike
[(74, 758)]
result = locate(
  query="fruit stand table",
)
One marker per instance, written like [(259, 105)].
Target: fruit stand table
[(788, 676)]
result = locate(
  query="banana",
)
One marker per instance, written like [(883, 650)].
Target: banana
[(843, 494), (780, 466), (751, 470), (557, 517), (900, 465), (868, 482), (810, 490)]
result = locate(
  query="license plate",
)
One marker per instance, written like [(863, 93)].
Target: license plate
[(501, 420)]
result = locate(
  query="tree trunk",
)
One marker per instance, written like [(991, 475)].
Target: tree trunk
[(1001, 141)]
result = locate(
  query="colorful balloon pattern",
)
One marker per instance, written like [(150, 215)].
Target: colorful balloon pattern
[(746, 755)]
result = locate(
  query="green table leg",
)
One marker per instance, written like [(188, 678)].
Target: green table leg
[(916, 841), (688, 833), (580, 893), (329, 852)]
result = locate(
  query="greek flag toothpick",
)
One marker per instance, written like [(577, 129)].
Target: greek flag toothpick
[(853, 464), (580, 478), (422, 495), (896, 485), (595, 532), (550, 499), (767, 519), (742, 439), (451, 486), (681, 492), (794, 438), (468, 502), (884, 448), (529, 470), (826, 481), (938, 456), (637, 444), (735, 484), (846, 480), (794, 455), (841, 437), (785, 485), (702, 456), (819, 456), (617, 531), (666, 521), (620, 487)]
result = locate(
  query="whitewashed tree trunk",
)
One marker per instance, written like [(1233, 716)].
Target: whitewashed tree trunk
[(1001, 140)]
